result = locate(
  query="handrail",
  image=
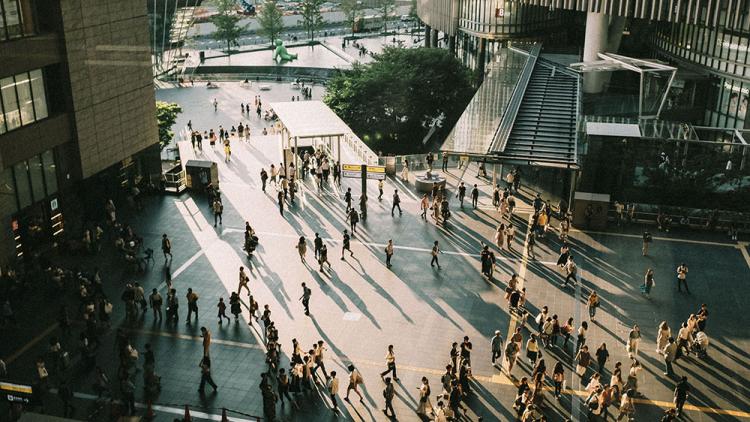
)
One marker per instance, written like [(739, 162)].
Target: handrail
[(500, 138)]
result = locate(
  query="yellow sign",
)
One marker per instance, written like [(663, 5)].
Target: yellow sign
[(16, 388), (376, 169), (351, 167)]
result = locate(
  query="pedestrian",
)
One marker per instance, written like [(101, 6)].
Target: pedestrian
[(355, 379), (390, 361), (558, 378), (166, 247), (663, 336), (317, 245), (244, 279), (66, 396), (634, 340), (445, 161), (192, 302), (348, 199), (681, 391), (380, 190), (424, 204), (206, 335), (301, 249), (282, 386), (263, 179), (532, 350), (627, 406), (280, 198), (602, 355), (388, 253), (435, 251), (570, 270), (353, 219), (511, 353), (389, 393), (682, 271), (155, 300), (582, 335), (647, 239), (670, 355), (592, 304), (173, 306), (396, 203), (474, 196), (234, 306), (564, 254), (510, 234), (425, 405), (583, 360), (127, 391), (496, 346), (222, 311), (531, 242), (648, 282), (323, 257), (205, 366), (333, 390), (305, 298), (461, 193)]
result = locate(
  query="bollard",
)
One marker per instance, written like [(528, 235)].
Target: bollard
[(187, 417)]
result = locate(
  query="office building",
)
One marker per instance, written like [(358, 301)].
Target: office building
[(77, 115)]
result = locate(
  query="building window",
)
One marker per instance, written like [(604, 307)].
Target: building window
[(23, 100), (16, 19), (32, 180), (50, 174), (23, 190)]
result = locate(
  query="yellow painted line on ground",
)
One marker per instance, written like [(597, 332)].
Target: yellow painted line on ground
[(521, 281), (743, 248), (668, 239), (31, 343), (499, 379)]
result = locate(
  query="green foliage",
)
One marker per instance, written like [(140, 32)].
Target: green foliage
[(227, 23), (166, 116), (391, 102), (352, 10), (386, 8), (270, 21), (312, 20)]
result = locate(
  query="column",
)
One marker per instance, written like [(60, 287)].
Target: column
[(434, 41), (596, 42), (452, 44), (427, 36)]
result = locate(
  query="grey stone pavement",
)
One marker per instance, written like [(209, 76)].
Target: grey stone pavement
[(360, 306)]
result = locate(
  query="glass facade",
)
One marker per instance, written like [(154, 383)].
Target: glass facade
[(22, 100), (16, 19), (29, 181)]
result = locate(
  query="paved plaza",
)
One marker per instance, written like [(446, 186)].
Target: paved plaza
[(359, 306)]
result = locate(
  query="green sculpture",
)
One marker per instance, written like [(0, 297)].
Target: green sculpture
[(280, 54)]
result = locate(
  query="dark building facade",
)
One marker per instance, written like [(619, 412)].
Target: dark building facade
[(77, 114)]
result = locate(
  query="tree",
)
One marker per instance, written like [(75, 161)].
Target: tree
[(386, 8), (227, 23), (270, 21), (166, 116), (352, 10), (392, 102), (312, 20)]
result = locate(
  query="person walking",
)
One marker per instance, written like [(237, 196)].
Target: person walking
[(389, 392), (333, 391), (558, 378), (222, 311), (396, 203), (648, 282), (647, 239), (424, 205), (435, 251), (355, 379), (682, 271), (511, 353), (346, 246), (156, 301), (127, 391), (305, 298), (380, 190), (670, 355), (583, 360), (353, 218), (461, 193), (317, 245), (323, 257), (348, 199), (510, 234), (681, 391), (496, 346), (474, 196), (192, 303), (592, 304), (425, 405), (244, 279), (390, 361), (206, 335), (388, 253), (280, 199), (263, 179), (205, 366), (570, 270), (282, 388), (445, 161), (166, 247), (662, 338), (318, 355), (301, 247), (602, 355), (634, 340)]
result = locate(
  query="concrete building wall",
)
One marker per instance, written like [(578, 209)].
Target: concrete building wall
[(110, 77)]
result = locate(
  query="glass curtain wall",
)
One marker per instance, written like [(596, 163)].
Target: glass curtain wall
[(22, 100)]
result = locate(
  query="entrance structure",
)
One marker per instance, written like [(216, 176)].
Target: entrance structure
[(312, 124)]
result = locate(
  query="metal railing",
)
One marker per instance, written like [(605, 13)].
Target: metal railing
[(362, 151)]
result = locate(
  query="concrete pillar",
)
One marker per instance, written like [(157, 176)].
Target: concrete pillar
[(452, 44), (481, 58), (434, 41), (427, 36), (596, 42)]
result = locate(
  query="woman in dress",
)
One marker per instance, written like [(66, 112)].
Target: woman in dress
[(425, 405), (664, 334), (302, 248), (500, 236)]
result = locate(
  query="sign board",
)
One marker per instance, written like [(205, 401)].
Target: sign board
[(354, 171), (16, 392), (499, 12)]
